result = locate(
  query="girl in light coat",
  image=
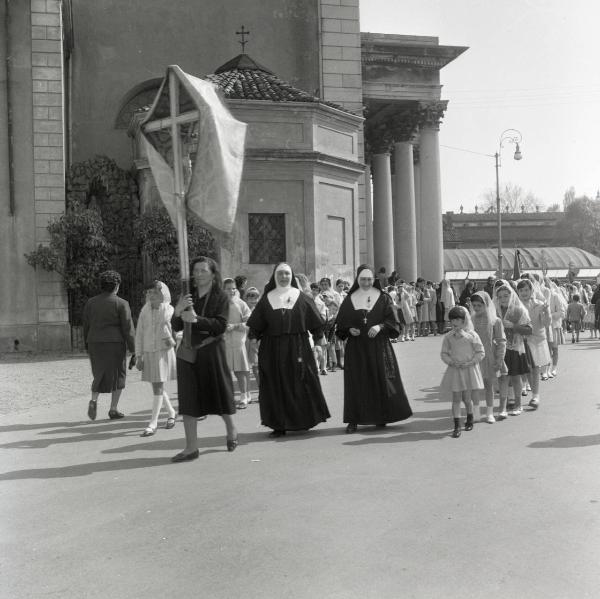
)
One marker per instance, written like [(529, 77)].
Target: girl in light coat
[(154, 349)]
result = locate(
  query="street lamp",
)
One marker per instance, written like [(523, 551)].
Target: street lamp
[(509, 136)]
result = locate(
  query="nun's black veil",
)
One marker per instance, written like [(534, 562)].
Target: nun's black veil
[(272, 284), (355, 285)]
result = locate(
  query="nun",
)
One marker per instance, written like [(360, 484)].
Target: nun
[(289, 389), (373, 389)]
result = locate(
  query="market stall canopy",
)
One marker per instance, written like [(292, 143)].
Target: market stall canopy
[(531, 259)]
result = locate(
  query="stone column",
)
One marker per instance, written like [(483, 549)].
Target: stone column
[(417, 180), (405, 227), (431, 245), (369, 215), (383, 233)]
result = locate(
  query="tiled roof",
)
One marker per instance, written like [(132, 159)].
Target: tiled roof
[(244, 79)]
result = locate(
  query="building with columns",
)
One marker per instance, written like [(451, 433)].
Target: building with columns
[(402, 96), (74, 72)]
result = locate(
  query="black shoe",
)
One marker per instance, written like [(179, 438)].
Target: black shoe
[(351, 428), (469, 422), (456, 433), (276, 434), (382, 425), (115, 414), (232, 444), (92, 409), (186, 457)]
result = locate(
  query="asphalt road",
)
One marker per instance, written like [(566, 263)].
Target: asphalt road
[(91, 510)]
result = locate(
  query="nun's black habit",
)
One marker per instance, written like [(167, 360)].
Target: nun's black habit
[(373, 389), (290, 393)]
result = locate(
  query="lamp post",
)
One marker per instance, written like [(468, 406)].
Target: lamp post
[(513, 136)]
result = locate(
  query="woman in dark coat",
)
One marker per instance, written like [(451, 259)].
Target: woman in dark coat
[(290, 394), (108, 333), (373, 390), (204, 382)]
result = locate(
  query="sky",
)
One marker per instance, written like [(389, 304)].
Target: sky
[(532, 65)]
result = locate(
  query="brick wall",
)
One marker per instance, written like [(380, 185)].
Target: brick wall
[(341, 78), (48, 153)]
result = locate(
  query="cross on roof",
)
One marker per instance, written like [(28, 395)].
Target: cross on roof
[(242, 33)]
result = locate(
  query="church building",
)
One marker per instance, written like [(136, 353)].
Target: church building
[(342, 151)]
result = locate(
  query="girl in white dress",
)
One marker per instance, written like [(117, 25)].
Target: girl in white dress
[(154, 349), (462, 351), (251, 298), (537, 342), (235, 341)]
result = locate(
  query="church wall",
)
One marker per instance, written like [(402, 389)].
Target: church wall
[(335, 228), (33, 303), (341, 81), (121, 44), (276, 189)]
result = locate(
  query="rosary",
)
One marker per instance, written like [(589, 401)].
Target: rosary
[(368, 308)]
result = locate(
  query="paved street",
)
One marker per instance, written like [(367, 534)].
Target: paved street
[(93, 510)]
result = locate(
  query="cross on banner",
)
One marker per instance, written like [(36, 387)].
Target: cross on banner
[(213, 189)]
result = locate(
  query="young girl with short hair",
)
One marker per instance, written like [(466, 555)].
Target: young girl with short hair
[(491, 332), (575, 316), (462, 351), (154, 349)]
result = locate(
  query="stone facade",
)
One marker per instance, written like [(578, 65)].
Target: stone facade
[(35, 313)]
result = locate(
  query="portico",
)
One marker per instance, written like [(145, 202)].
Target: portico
[(402, 96)]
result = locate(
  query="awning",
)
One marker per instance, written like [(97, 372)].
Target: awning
[(588, 273), (481, 274), (456, 275), (560, 273)]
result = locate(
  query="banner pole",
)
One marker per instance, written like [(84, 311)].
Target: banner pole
[(179, 190)]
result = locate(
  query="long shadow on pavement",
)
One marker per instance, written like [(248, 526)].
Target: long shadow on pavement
[(567, 442)]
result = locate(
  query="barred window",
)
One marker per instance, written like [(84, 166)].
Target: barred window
[(267, 238)]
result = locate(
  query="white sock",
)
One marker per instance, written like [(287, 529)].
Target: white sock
[(168, 404), (489, 410), (156, 406)]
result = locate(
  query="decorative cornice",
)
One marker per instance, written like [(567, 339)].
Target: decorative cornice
[(381, 135), (431, 113), (281, 155)]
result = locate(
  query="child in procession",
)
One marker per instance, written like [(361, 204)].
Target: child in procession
[(462, 351), (575, 316), (491, 332), (235, 341), (154, 350)]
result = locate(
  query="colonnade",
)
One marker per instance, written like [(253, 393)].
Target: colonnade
[(407, 228)]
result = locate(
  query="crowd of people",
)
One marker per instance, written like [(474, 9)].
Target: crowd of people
[(502, 338)]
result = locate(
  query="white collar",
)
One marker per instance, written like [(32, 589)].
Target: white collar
[(283, 297), (365, 300)]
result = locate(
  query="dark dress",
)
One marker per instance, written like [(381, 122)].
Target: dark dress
[(108, 332), (373, 389), (290, 394), (205, 387)]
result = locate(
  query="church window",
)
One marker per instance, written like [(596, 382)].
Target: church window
[(267, 238)]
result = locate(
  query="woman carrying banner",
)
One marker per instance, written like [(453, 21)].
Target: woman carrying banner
[(290, 392), (373, 390), (203, 378)]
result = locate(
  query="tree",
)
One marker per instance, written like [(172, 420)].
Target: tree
[(158, 238), (78, 251), (568, 197), (553, 207), (512, 196), (581, 221)]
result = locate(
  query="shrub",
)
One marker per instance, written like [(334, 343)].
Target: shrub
[(158, 239), (78, 251)]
